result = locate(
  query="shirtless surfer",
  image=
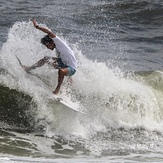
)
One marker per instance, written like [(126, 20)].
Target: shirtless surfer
[(65, 61)]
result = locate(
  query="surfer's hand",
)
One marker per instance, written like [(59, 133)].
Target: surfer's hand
[(34, 23)]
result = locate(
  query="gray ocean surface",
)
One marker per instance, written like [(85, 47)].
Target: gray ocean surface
[(118, 84)]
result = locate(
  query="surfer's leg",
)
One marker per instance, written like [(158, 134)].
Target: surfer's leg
[(61, 73), (40, 63)]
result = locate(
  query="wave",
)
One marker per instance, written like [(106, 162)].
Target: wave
[(128, 21), (108, 96), (15, 108), (142, 12)]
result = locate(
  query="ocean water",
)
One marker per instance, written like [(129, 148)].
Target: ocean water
[(118, 83)]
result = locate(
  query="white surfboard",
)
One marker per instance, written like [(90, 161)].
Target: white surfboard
[(67, 104)]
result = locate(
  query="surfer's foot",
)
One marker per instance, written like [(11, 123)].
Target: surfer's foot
[(27, 69), (56, 91)]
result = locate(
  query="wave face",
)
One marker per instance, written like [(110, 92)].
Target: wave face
[(15, 108)]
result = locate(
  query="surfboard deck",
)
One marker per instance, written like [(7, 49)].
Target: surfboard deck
[(55, 97), (67, 104)]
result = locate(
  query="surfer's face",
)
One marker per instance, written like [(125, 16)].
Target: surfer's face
[(50, 45)]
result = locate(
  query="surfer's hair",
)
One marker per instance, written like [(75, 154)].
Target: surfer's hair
[(46, 39)]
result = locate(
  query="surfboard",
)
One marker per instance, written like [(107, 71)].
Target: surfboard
[(55, 97), (67, 104)]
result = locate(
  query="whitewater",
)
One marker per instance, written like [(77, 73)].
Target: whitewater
[(118, 83)]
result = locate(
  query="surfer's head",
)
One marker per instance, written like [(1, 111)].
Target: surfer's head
[(48, 42)]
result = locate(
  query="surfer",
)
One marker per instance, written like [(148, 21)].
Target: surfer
[(65, 61)]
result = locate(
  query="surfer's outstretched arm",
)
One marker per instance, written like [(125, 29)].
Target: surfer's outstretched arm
[(51, 34)]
